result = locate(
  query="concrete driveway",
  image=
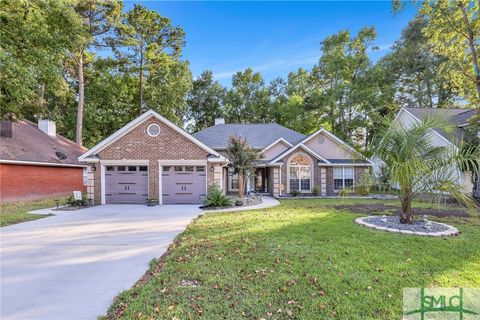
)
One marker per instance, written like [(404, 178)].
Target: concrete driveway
[(70, 266)]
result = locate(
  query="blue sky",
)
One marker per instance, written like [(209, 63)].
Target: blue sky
[(273, 38)]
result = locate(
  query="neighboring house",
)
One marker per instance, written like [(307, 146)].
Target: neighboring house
[(35, 162), (458, 116), (152, 157)]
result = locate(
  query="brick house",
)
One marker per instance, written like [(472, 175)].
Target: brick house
[(151, 157), (36, 163)]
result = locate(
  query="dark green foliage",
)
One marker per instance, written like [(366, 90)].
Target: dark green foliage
[(239, 202), (294, 193), (205, 102), (216, 198), (71, 202), (316, 191)]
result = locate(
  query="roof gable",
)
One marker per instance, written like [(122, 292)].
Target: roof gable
[(90, 155), (296, 147), (458, 116)]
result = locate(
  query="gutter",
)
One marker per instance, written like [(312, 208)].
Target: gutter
[(46, 164)]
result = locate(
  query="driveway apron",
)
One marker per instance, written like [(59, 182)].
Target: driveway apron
[(72, 265)]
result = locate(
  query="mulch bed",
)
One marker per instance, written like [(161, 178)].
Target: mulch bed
[(253, 201), (380, 209), (67, 208)]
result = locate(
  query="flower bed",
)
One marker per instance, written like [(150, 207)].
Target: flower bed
[(420, 228)]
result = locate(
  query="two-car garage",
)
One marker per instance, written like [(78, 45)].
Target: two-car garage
[(180, 184)]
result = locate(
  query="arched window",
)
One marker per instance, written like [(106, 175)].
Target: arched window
[(300, 173)]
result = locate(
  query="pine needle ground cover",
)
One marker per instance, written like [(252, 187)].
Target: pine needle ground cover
[(300, 260)]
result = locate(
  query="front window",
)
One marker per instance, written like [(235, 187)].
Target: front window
[(300, 173), (342, 178), (234, 182)]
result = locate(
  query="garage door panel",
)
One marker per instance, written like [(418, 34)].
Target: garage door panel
[(126, 186), (184, 187)]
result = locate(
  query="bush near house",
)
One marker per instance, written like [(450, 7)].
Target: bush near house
[(216, 198)]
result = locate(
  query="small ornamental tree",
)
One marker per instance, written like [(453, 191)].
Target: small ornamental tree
[(416, 166), (241, 157)]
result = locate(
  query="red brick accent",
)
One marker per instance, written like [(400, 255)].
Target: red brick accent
[(138, 145), (25, 182)]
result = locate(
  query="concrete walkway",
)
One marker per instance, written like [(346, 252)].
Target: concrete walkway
[(71, 266), (267, 202)]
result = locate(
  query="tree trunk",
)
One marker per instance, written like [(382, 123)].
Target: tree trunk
[(473, 50), (406, 215), (241, 185), (81, 98), (41, 97), (140, 102)]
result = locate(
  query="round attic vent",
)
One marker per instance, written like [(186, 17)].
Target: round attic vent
[(321, 140), (61, 155), (153, 130)]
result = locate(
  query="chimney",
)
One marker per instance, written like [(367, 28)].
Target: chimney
[(219, 121), (6, 128), (47, 126)]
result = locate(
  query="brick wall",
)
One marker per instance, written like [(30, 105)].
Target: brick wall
[(25, 182), (137, 145)]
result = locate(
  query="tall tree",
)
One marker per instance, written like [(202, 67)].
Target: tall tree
[(414, 70), (33, 42), (248, 100), (98, 18), (109, 95), (453, 31), (145, 42), (205, 102), (340, 82)]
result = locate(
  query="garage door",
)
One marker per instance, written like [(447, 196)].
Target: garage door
[(126, 184), (183, 184)]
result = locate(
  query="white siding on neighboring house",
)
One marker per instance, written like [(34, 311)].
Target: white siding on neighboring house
[(407, 119)]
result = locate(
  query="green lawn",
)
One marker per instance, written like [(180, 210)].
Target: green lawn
[(11, 213), (300, 260)]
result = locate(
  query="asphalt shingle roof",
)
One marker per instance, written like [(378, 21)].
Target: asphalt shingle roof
[(458, 116), (28, 143), (258, 135)]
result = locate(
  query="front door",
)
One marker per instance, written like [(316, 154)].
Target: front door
[(260, 180)]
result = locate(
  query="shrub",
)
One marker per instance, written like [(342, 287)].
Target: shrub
[(71, 202), (216, 198), (316, 191), (345, 192), (294, 193), (238, 202), (362, 190)]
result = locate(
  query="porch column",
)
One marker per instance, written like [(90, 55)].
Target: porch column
[(216, 176), (276, 181), (323, 181)]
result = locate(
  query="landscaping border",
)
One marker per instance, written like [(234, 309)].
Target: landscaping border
[(267, 202), (450, 232)]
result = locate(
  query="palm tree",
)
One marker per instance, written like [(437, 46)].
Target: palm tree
[(241, 157), (416, 166)]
